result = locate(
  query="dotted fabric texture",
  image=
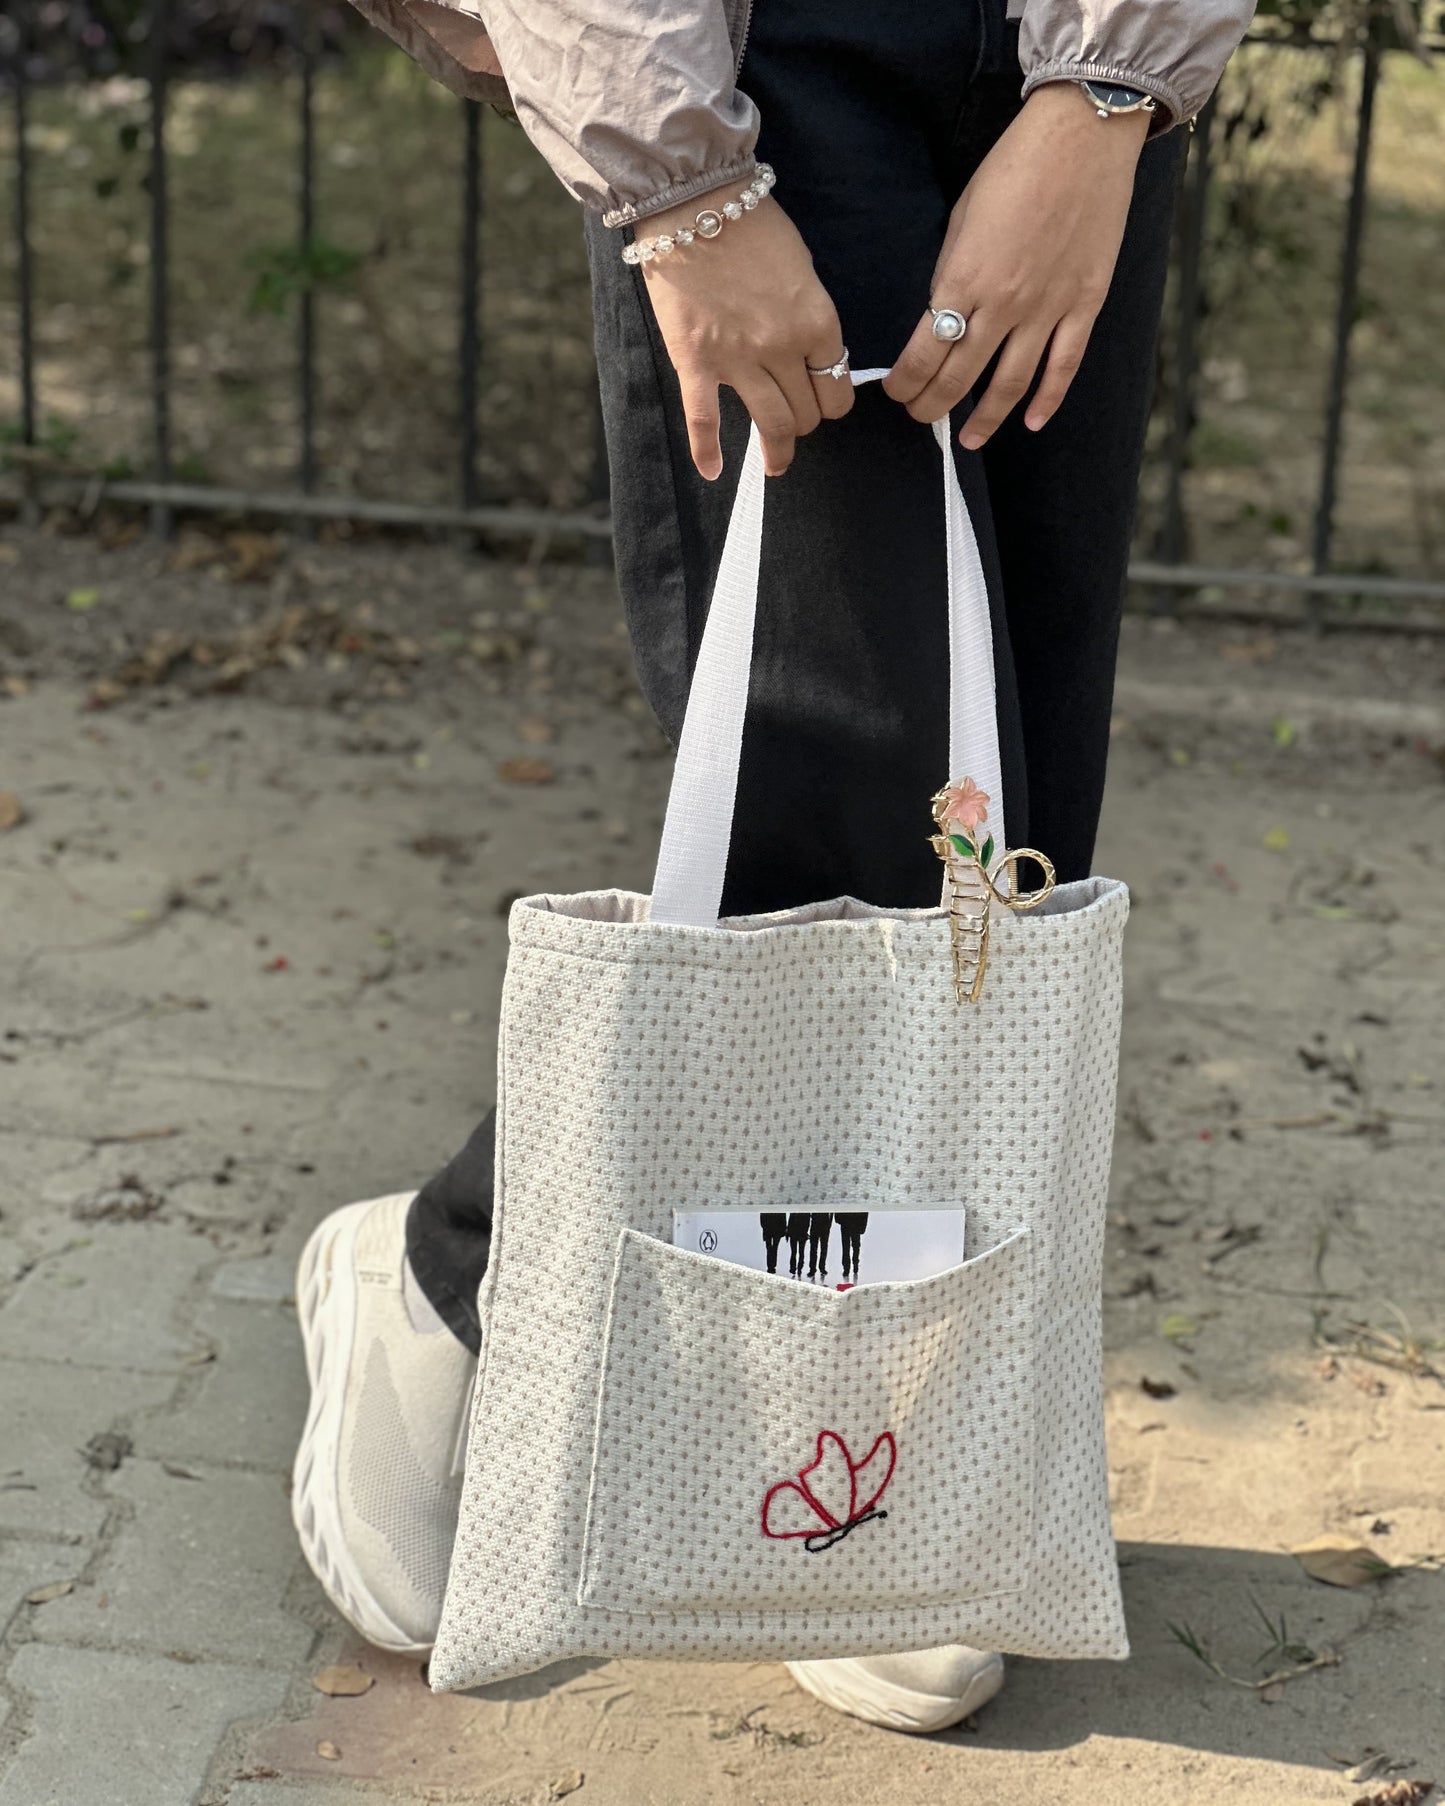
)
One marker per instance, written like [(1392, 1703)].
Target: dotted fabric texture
[(636, 1402)]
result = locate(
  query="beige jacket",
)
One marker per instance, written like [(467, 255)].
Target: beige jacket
[(634, 103)]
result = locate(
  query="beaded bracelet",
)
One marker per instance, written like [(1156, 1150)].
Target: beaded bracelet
[(707, 224)]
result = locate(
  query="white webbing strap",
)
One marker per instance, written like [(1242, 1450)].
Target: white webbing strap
[(692, 859)]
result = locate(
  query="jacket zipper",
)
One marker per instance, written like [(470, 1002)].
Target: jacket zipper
[(743, 41)]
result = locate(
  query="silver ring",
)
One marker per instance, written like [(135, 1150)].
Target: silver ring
[(838, 371), (948, 323)]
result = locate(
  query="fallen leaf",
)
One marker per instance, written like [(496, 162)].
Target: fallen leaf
[(328, 1751), (1277, 840), (536, 732), (1327, 1368), (56, 1590), (104, 693), (12, 811), (1285, 732), (252, 554), (1176, 1327), (525, 771), (1340, 1563), (1247, 652), (342, 1680), (14, 686), (177, 1472), (568, 1783), (1157, 1388), (1272, 1694), (1398, 1793), (82, 599)]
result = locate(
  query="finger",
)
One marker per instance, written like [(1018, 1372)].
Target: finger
[(773, 416), (1071, 340), (1016, 371), (699, 404), (962, 368), (834, 393), (918, 363), (793, 379)]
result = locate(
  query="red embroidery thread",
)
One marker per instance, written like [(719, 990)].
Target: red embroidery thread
[(820, 1528)]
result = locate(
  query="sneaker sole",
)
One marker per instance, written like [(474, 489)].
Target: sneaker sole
[(327, 1315), (895, 1708)]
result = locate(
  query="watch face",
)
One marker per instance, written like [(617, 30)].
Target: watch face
[(1115, 95)]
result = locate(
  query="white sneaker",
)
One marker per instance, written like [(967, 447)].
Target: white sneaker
[(924, 1692), (374, 1495)]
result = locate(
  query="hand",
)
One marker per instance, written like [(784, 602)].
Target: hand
[(1028, 259), (746, 309)]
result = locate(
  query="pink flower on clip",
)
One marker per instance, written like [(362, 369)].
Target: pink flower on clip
[(963, 803)]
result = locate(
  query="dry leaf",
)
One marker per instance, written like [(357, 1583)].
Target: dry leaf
[(12, 811), (1340, 1563), (568, 1783), (525, 771), (14, 686), (536, 732), (177, 1472), (1157, 1388), (56, 1590), (104, 693), (1272, 1694), (253, 554), (328, 1750), (342, 1680), (1247, 652), (1398, 1793)]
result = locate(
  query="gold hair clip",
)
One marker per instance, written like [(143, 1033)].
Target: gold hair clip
[(960, 809)]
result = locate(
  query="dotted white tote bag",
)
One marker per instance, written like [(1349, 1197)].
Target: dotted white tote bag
[(671, 1455)]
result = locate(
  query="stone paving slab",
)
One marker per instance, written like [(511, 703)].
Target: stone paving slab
[(110, 1300), (244, 1407), (207, 1578), (109, 1728), (24, 1568), (49, 1413)]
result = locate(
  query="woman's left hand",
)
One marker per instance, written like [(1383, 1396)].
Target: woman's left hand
[(1027, 261)]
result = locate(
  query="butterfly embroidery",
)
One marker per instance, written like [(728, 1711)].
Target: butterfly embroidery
[(832, 1495)]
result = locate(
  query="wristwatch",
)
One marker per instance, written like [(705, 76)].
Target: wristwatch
[(1110, 97)]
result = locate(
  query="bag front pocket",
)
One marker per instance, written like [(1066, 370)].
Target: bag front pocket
[(762, 1444)]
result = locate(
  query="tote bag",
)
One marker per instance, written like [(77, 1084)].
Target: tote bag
[(670, 1455)]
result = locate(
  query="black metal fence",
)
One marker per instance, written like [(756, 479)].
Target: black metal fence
[(1164, 570)]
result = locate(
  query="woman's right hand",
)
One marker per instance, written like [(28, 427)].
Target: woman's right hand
[(747, 309)]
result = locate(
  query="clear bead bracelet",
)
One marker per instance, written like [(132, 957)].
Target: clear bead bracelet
[(707, 224)]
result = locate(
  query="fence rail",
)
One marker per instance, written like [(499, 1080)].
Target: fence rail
[(1167, 573)]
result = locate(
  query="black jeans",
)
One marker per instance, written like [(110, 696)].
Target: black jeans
[(874, 117)]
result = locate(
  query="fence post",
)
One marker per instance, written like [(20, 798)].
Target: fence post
[(24, 265), (469, 338), (1188, 309), (160, 513), (1345, 319)]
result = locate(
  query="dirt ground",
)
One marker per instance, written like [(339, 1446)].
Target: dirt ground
[(274, 799)]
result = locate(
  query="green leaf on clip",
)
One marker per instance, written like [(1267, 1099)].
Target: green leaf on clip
[(960, 845), (987, 854)]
